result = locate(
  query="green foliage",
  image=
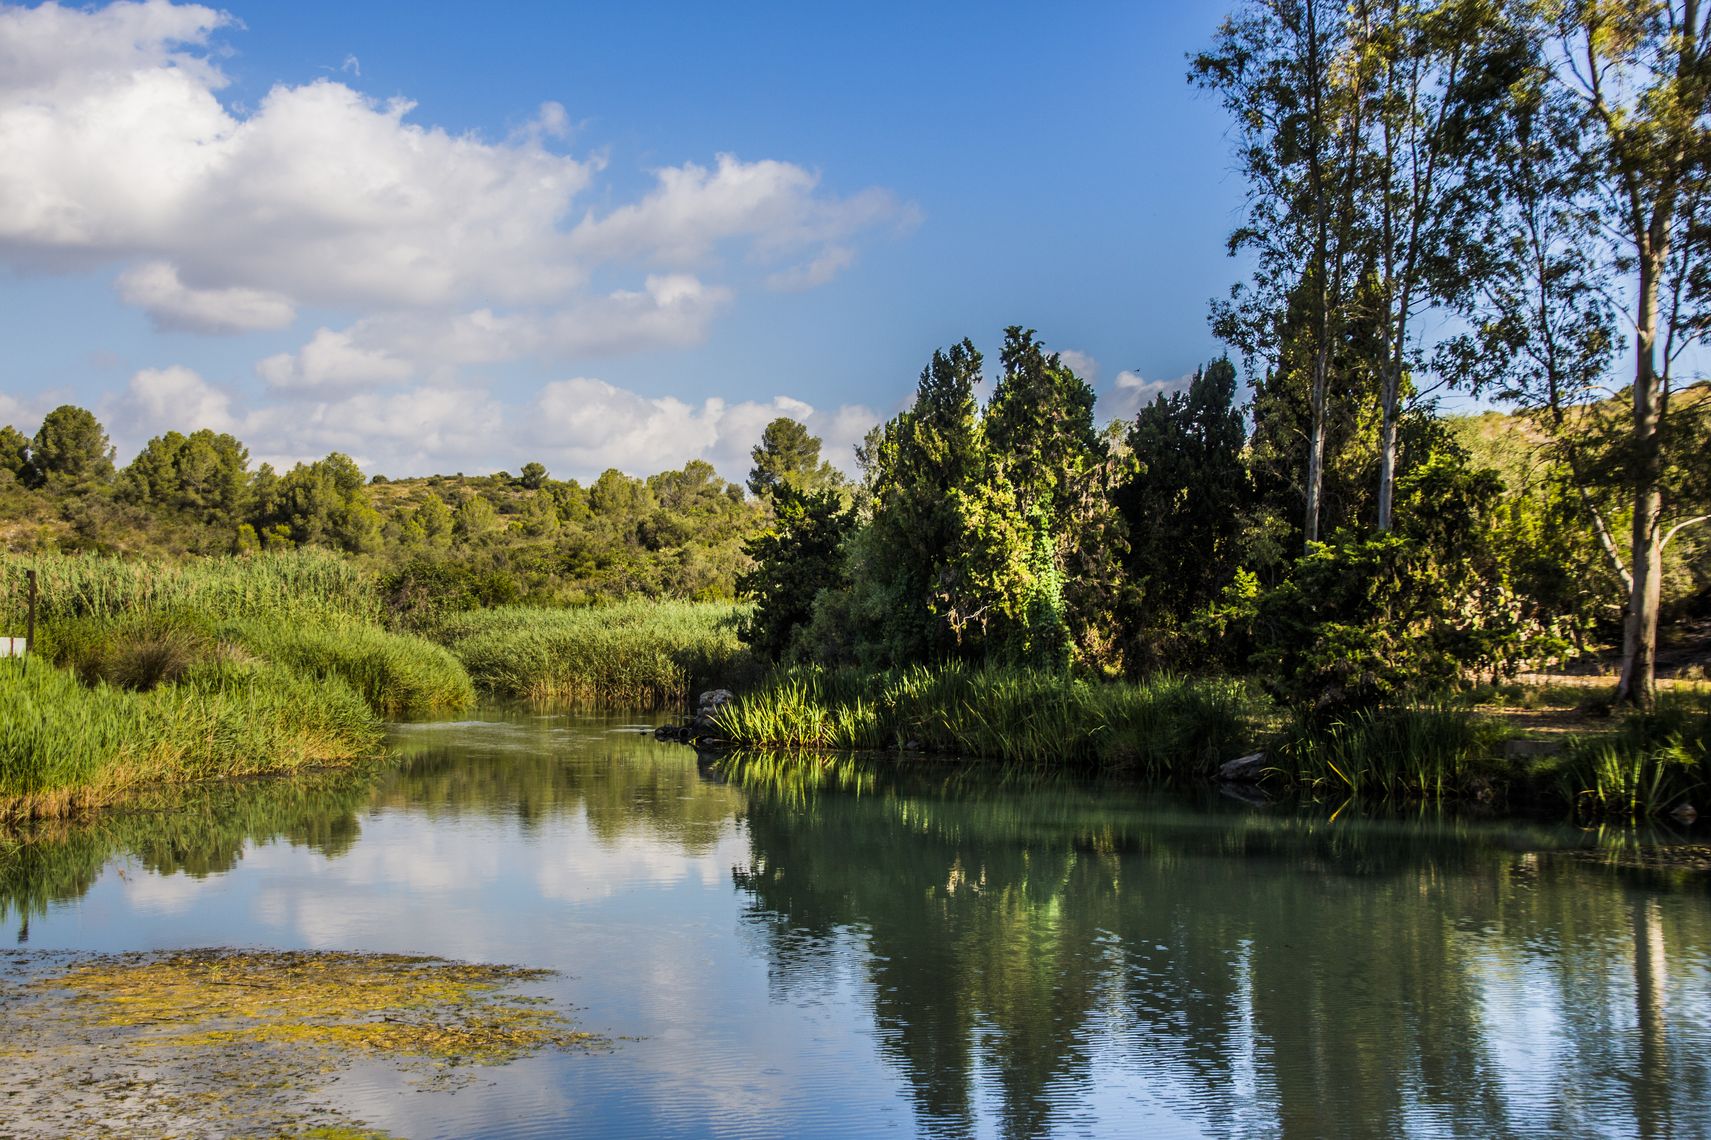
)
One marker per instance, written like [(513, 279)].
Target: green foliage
[(1164, 727), (796, 558), (648, 654), (71, 448), (533, 476), (1654, 762), (203, 475), (1183, 503), (64, 744), (1430, 753), (14, 453), (788, 456), (325, 503), (1368, 619)]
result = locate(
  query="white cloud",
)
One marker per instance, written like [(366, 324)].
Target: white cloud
[(693, 208), (587, 425), (119, 152), (1081, 364), (159, 400), (815, 273), (332, 360), (1129, 393), (416, 431), (155, 288)]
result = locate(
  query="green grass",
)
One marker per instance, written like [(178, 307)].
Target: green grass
[(639, 654), (1165, 726), (399, 675), (1431, 753), (65, 745), (306, 583), (1650, 764)]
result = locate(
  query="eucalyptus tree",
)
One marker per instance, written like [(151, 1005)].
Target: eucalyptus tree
[(1640, 72), (1434, 74), (1290, 76)]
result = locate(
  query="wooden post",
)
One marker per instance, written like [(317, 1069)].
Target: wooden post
[(30, 624)]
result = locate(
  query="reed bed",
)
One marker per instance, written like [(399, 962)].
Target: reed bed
[(1162, 727), (304, 583), (639, 654), (66, 745), (399, 675), (1430, 753)]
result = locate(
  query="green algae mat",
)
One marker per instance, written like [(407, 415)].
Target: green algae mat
[(245, 1042)]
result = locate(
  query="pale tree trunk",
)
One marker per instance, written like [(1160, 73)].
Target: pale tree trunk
[(1640, 633), (1316, 434)]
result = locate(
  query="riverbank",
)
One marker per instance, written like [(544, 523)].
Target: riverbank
[(1176, 729), (153, 674), (148, 674)]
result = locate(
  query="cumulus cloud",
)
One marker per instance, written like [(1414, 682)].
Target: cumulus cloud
[(155, 288), (159, 400), (815, 273), (332, 360), (578, 427), (1129, 393), (120, 152), (588, 425), (1081, 364)]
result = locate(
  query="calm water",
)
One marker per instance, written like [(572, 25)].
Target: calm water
[(849, 952)]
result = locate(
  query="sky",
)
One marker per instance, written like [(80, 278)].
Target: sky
[(446, 239)]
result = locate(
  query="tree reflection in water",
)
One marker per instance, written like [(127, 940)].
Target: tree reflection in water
[(1029, 948)]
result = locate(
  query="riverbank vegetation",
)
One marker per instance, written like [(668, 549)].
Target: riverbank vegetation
[(1317, 562)]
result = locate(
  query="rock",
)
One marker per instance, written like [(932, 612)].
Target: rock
[(1243, 769), (1684, 813), (713, 699)]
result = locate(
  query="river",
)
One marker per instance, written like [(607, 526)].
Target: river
[(845, 948)]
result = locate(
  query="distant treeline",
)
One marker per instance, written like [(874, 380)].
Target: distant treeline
[(447, 541)]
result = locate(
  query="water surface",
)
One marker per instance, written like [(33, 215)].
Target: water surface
[(852, 950)]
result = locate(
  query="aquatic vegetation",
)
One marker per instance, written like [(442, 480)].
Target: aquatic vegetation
[(302, 583), (243, 1039), (65, 745), (1435, 752), (1650, 764), (398, 674), (640, 654), (1162, 726)]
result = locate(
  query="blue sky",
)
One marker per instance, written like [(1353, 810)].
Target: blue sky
[(593, 235)]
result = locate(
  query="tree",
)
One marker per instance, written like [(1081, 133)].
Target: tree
[(474, 520), (324, 503), (795, 558), (1050, 469), (533, 476), (788, 455), (1183, 503), (1642, 73), (71, 448), (1286, 73), (14, 453), (204, 475)]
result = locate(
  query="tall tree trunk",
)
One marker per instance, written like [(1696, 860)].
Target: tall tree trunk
[(1316, 432), (1640, 633)]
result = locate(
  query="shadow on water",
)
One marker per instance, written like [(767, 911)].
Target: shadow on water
[(1029, 948)]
